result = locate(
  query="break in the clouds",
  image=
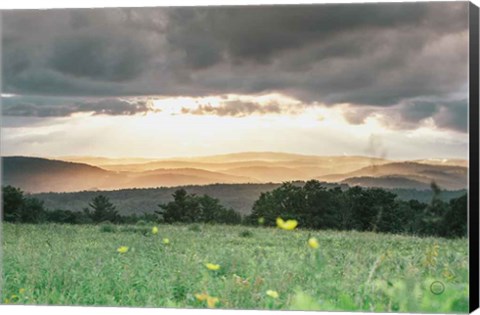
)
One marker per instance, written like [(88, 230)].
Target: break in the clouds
[(339, 73), (34, 106), (239, 108)]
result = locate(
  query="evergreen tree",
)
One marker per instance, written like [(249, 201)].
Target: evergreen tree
[(103, 210), (12, 203), (456, 218), (183, 208)]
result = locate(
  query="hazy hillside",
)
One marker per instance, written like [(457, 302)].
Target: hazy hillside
[(240, 197), (404, 175), (269, 173), (181, 177), (100, 161), (37, 175), (451, 162), (386, 182), (300, 166), (44, 175)]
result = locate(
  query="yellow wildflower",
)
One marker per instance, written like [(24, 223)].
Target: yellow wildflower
[(448, 274), (6, 301), (155, 230), (122, 249), (166, 241), (286, 225), (261, 220), (240, 280), (313, 243), (212, 266), (21, 291), (212, 301), (201, 296), (273, 294)]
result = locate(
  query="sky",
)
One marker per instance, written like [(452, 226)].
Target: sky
[(387, 80)]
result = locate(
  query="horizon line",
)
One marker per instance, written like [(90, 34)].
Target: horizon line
[(56, 157)]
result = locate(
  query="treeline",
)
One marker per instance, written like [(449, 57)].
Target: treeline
[(186, 208), (189, 208), (371, 209), (313, 205), (19, 208), (240, 197)]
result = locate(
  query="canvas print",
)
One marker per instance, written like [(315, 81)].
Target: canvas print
[(280, 157)]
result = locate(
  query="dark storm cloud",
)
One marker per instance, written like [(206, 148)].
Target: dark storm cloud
[(28, 106), (259, 34), (238, 108), (417, 111), (357, 115), (78, 52), (98, 57), (452, 115), (445, 114), (362, 54)]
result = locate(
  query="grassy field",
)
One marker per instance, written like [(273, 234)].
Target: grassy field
[(80, 265)]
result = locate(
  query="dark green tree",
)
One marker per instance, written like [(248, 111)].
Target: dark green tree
[(19, 208), (228, 216), (286, 201), (342, 213), (33, 211), (12, 203), (407, 217), (387, 217), (189, 208), (184, 208), (320, 207), (362, 210), (211, 209), (103, 210), (430, 222), (455, 221)]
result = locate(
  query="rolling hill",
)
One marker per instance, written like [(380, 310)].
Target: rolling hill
[(404, 175), (35, 175), (389, 182), (300, 166), (43, 175), (38, 175), (274, 174)]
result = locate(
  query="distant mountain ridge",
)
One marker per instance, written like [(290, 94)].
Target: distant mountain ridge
[(404, 175), (35, 175), (389, 182), (38, 174)]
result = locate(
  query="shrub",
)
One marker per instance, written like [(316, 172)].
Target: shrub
[(245, 233), (141, 223), (195, 228), (108, 228)]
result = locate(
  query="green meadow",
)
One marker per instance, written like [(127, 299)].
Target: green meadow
[(259, 268)]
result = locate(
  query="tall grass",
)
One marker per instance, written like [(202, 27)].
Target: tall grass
[(80, 265)]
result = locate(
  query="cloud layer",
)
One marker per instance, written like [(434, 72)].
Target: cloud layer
[(239, 108), (28, 106), (452, 115), (409, 56)]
